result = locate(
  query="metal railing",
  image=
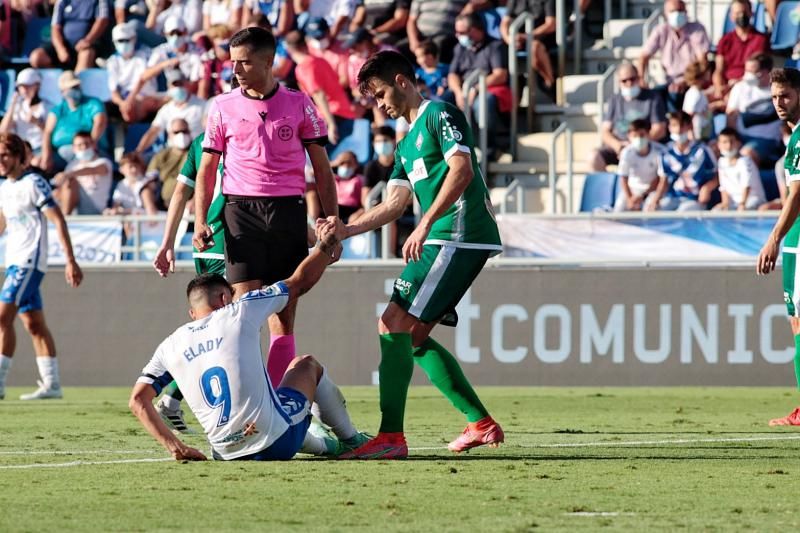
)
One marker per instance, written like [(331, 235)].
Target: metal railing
[(516, 191), (607, 76), (563, 129), (513, 73), (479, 77), (561, 43)]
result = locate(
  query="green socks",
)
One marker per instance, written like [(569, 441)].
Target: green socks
[(394, 373), (172, 391), (446, 374), (797, 359)]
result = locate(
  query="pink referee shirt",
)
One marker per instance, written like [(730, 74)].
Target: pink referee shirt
[(263, 141)]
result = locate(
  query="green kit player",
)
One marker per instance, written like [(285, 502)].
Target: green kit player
[(444, 254), (786, 99), (210, 261)]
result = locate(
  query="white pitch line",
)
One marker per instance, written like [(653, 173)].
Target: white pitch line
[(614, 444), (77, 452), (85, 463)]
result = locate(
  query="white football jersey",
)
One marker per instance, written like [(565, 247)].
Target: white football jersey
[(218, 365), (641, 170), (22, 202), (734, 178)]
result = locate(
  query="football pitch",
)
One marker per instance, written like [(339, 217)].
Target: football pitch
[(636, 459)]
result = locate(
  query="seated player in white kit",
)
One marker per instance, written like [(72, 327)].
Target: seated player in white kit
[(217, 362)]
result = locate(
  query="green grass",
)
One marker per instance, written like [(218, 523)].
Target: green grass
[(702, 484)]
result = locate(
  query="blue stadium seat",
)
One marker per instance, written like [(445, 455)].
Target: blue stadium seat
[(784, 31), (718, 123), (134, 134), (491, 19), (792, 63), (7, 78), (49, 88), (598, 191), (37, 32), (358, 141), (94, 82), (759, 19), (770, 184)]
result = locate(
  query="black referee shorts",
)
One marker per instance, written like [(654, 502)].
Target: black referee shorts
[(265, 237)]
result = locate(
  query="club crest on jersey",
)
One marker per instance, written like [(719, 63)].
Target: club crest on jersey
[(285, 133), (418, 144)]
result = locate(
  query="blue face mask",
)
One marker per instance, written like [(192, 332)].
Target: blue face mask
[(176, 41), (383, 148), (465, 41), (84, 155), (73, 94), (179, 94), (124, 49), (345, 172)]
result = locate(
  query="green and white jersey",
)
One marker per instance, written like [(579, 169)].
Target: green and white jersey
[(792, 162), (439, 131), (188, 176)]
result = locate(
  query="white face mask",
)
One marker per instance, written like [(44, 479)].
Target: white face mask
[(84, 155), (679, 137), (179, 94), (465, 41), (677, 19), (750, 77), (345, 172), (125, 49), (730, 154), (319, 44), (181, 141), (640, 143), (383, 148), (176, 41), (629, 93)]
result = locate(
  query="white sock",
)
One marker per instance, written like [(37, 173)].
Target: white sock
[(170, 403), (48, 369), (330, 409), (313, 445), (5, 366)]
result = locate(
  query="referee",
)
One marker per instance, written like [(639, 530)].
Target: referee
[(264, 132)]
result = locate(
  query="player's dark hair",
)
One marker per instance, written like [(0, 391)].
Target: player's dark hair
[(764, 60), (14, 144), (683, 118), (732, 133), (639, 124), (384, 66), (430, 48), (786, 76), (206, 283), (258, 40)]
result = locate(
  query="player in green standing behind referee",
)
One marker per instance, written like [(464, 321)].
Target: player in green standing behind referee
[(457, 234)]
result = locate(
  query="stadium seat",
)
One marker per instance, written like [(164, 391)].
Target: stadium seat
[(358, 141), (49, 88), (792, 63), (598, 192), (7, 78), (784, 30), (770, 184), (718, 123), (134, 134), (37, 32), (94, 82), (759, 20), (491, 19)]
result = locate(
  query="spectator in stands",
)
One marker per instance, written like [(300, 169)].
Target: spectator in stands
[(228, 12), (434, 20), (544, 36), (279, 13), (217, 68), (360, 45), (680, 43), (695, 102), (638, 169), (125, 67), (630, 103), (430, 71), (348, 185), (166, 164), (739, 181), (780, 174), (337, 13), (177, 53), (736, 46), (77, 112), (751, 112), (687, 173), (317, 79), (320, 44), (181, 105), (135, 194), (477, 51), (134, 12), (385, 19), (84, 186), (27, 113), (190, 12), (6, 43), (76, 32)]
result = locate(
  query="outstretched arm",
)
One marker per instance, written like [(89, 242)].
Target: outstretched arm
[(310, 270), (141, 405), (381, 215)]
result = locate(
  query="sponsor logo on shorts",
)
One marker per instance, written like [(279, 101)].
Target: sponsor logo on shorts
[(787, 298), (402, 286), (285, 132)]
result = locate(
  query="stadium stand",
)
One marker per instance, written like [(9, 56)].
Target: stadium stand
[(786, 29), (598, 192)]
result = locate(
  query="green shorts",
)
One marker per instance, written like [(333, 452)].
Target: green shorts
[(791, 274), (204, 265), (430, 289)]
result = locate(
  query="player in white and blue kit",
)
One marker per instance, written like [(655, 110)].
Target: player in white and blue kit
[(26, 202), (216, 361)]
